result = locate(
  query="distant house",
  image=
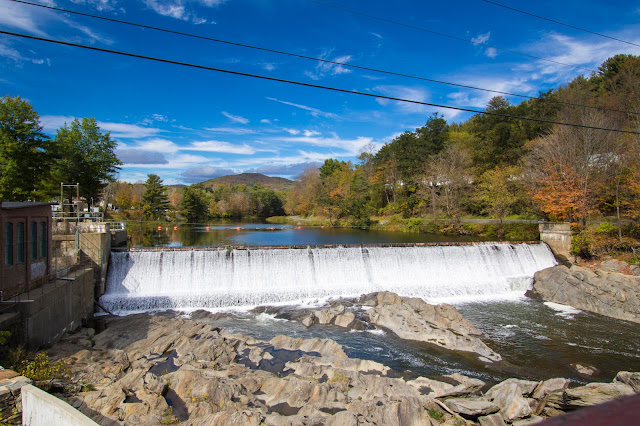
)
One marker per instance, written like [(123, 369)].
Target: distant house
[(25, 249)]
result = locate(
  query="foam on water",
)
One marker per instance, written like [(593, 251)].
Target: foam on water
[(563, 310), (147, 280)]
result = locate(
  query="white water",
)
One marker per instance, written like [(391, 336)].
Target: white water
[(148, 280)]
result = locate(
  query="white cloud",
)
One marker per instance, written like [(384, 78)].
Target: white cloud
[(265, 121), (173, 9), (314, 111), (160, 145), (51, 123), (269, 66), (220, 146), (376, 35), (310, 133), (235, 118), (491, 52)]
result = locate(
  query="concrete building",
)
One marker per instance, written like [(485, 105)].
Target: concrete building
[(25, 246)]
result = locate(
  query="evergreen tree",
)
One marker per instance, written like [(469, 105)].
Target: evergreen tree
[(154, 200), (194, 205)]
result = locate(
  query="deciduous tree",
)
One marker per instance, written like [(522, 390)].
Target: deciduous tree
[(25, 153)]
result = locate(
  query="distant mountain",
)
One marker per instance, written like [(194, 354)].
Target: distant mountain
[(250, 179)]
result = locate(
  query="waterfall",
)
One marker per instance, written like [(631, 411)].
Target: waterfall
[(145, 280)]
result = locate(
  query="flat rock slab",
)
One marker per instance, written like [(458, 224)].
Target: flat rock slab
[(471, 407)]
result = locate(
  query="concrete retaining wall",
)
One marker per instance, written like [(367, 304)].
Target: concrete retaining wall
[(97, 247), (56, 308), (42, 409), (558, 237)]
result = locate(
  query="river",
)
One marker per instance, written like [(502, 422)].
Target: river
[(536, 340)]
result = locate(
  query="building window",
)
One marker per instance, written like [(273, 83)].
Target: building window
[(8, 244), (43, 239), (20, 232), (34, 241)]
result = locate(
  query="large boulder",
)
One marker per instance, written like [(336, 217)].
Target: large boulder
[(605, 293), (590, 394), (414, 319)]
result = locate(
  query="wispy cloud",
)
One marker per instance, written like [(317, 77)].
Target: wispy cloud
[(128, 131), (584, 52), (100, 5), (481, 38), (349, 146), (323, 69), (232, 130), (181, 9), (404, 92), (220, 146), (20, 17), (235, 118), (314, 111)]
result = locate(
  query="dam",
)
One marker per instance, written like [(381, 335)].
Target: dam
[(190, 278)]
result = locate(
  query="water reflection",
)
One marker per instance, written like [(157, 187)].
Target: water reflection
[(248, 233)]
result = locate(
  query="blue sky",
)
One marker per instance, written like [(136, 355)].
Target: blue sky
[(188, 125)]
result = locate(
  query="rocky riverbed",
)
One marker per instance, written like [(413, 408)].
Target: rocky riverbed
[(146, 369)]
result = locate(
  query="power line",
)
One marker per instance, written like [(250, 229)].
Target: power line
[(559, 23), (415, 27), (299, 83), (465, 86)]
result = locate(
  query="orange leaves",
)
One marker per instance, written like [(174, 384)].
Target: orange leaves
[(560, 193)]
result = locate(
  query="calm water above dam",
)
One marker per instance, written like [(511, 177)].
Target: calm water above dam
[(486, 282), (261, 234)]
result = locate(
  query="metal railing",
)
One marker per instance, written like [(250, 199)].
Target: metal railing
[(78, 216)]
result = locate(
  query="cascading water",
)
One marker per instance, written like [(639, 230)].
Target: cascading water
[(145, 280)]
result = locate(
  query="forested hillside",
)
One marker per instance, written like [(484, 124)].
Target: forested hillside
[(497, 166)]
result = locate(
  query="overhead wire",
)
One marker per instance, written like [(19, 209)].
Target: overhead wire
[(559, 23), (299, 83), (296, 55), (426, 30)]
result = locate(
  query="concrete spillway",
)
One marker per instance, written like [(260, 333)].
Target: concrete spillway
[(159, 279)]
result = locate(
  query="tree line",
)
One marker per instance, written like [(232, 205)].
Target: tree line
[(495, 166), (195, 203)]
